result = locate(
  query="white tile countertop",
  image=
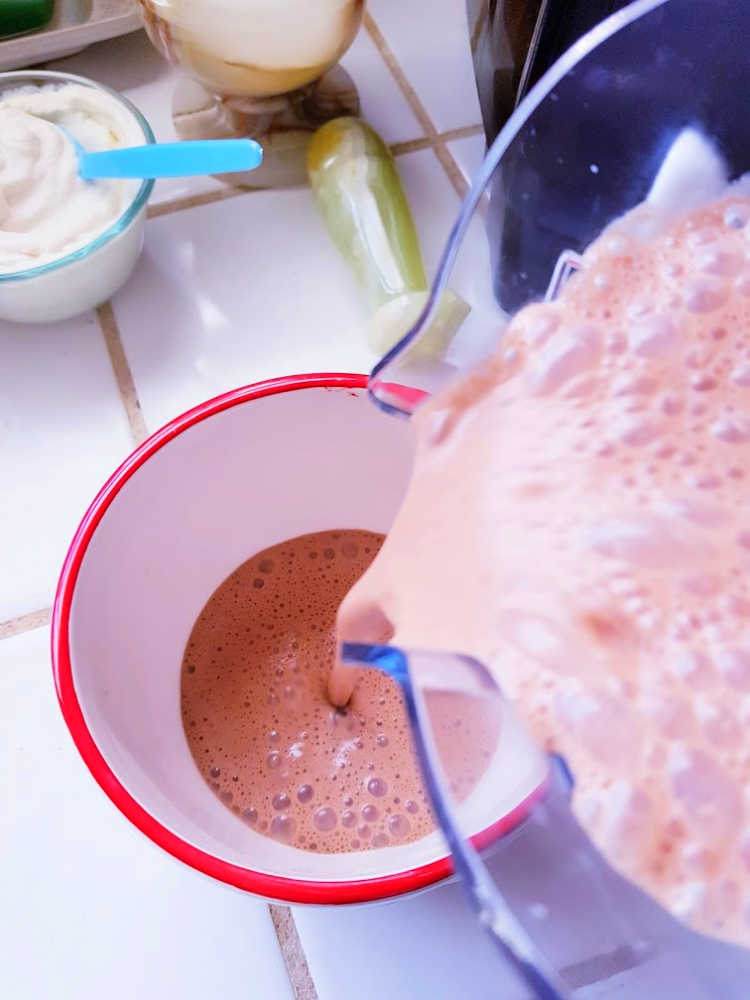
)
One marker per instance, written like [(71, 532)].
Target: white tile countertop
[(232, 287)]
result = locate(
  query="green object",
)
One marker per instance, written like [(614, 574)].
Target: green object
[(19, 16), (355, 180), (358, 189)]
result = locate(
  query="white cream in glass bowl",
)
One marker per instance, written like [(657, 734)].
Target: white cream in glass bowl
[(66, 245)]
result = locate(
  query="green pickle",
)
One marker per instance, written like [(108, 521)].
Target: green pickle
[(357, 186), (19, 16)]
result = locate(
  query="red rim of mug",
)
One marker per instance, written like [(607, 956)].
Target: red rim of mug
[(290, 890)]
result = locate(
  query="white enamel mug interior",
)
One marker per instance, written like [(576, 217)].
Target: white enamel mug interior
[(231, 477)]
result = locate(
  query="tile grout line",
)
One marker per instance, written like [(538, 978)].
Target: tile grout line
[(123, 374), (129, 396), (441, 151), (25, 623), (293, 954), (427, 142), (386, 53), (452, 169), (162, 208), (196, 200)]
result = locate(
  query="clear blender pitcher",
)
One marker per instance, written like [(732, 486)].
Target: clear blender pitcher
[(648, 105)]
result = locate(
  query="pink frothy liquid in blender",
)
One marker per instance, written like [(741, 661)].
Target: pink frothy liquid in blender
[(591, 484)]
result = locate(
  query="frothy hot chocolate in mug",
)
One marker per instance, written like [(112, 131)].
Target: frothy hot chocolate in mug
[(264, 734)]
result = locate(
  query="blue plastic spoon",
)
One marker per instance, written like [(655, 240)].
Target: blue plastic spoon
[(169, 159)]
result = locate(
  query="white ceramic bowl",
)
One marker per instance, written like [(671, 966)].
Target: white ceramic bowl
[(90, 275), (237, 474)]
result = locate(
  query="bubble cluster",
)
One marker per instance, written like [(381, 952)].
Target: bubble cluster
[(260, 727)]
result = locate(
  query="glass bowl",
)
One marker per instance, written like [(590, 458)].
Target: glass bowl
[(88, 276)]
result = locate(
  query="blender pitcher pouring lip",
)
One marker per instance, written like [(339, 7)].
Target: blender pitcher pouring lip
[(556, 910)]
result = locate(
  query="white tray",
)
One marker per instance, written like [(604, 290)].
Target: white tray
[(74, 25)]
